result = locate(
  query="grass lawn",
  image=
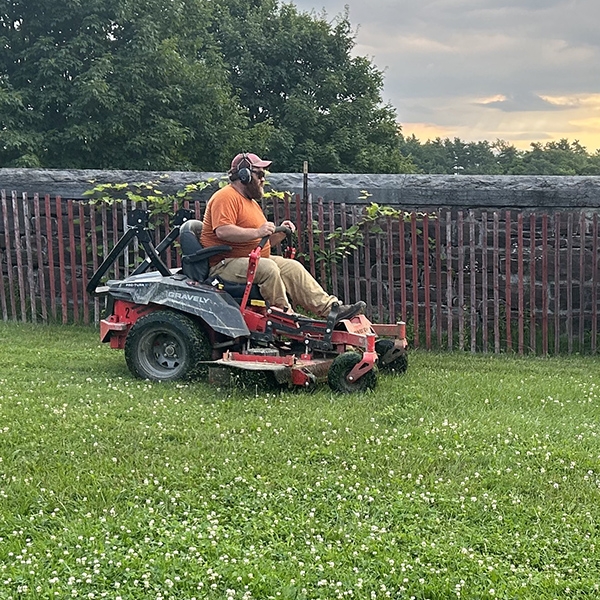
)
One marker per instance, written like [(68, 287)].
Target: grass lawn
[(468, 477)]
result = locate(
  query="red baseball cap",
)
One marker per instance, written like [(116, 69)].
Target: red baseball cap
[(253, 159)]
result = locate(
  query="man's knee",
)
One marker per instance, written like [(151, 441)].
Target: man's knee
[(267, 269), (295, 274), (291, 267)]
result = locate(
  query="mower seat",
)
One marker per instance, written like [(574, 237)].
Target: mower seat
[(195, 263)]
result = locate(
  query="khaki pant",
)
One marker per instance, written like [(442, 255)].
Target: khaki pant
[(279, 280)]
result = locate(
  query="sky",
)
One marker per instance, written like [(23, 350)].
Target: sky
[(521, 71)]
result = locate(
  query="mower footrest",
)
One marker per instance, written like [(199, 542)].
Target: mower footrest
[(107, 327)]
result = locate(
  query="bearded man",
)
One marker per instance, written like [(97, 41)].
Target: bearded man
[(234, 217)]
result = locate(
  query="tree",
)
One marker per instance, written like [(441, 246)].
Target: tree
[(305, 93), (507, 156), (113, 84), (593, 165), (555, 158), (184, 84), (445, 156)]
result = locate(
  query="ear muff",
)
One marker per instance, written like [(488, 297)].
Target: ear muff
[(244, 171)]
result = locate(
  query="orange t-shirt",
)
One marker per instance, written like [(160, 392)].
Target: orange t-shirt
[(228, 207)]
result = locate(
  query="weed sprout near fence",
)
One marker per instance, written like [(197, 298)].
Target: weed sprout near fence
[(475, 280)]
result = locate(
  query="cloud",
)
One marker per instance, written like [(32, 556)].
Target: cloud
[(521, 102), (587, 101)]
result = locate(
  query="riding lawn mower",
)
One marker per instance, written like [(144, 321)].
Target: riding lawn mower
[(181, 324)]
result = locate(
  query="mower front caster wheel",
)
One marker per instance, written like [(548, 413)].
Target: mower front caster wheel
[(337, 377), (398, 364), (166, 346)]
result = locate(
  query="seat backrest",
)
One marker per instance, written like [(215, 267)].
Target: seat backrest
[(189, 237), (195, 265), (189, 240)]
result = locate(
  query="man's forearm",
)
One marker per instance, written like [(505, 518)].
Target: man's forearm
[(236, 234)]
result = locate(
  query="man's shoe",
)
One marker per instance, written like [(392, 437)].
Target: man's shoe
[(347, 311)]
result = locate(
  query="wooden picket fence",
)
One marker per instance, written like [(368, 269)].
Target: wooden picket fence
[(475, 280)]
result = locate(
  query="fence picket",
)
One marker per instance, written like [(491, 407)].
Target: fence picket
[(472, 283), (461, 280), (161, 235), (508, 280), (449, 275), (72, 260), (105, 250), (116, 219), (345, 267), (438, 276), (390, 270), (484, 282), (496, 280), (9, 263), (582, 228), (83, 255), (545, 284), (532, 290), (19, 258), (311, 236), (50, 244), (95, 260), (300, 224), (333, 263), (569, 289), (379, 277), (61, 261), (368, 297), (557, 322), (426, 282), (415, 277), (356, 259), (594, 328), (402, 265), (40, 257), (521, 283), (321, 218), (29, 255)]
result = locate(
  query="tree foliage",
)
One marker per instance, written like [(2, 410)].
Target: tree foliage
[(445, 156), (112, 84), (295, 74), (184, 84)]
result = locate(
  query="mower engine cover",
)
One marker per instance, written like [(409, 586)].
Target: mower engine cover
[(215, 307)]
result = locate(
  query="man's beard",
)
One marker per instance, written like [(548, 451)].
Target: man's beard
[(254, 190)]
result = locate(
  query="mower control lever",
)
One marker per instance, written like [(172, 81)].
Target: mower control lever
[(278, 229)]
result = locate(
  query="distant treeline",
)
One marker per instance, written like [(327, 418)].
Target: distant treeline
[(445, 156)]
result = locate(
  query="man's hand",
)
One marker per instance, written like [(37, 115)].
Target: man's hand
[(237, 234), (289, 225), (278, 237), (266, 229)]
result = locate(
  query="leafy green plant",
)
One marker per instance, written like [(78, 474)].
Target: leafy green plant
[(342, 242), (153, 195), (150, 193)]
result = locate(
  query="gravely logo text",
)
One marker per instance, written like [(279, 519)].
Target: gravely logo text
[(183, 297)]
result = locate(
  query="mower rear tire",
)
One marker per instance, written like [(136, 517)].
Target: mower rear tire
[(398, 366), (340, 369), (166, 346)]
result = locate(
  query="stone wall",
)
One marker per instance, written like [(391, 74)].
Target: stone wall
[(409, 191)]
